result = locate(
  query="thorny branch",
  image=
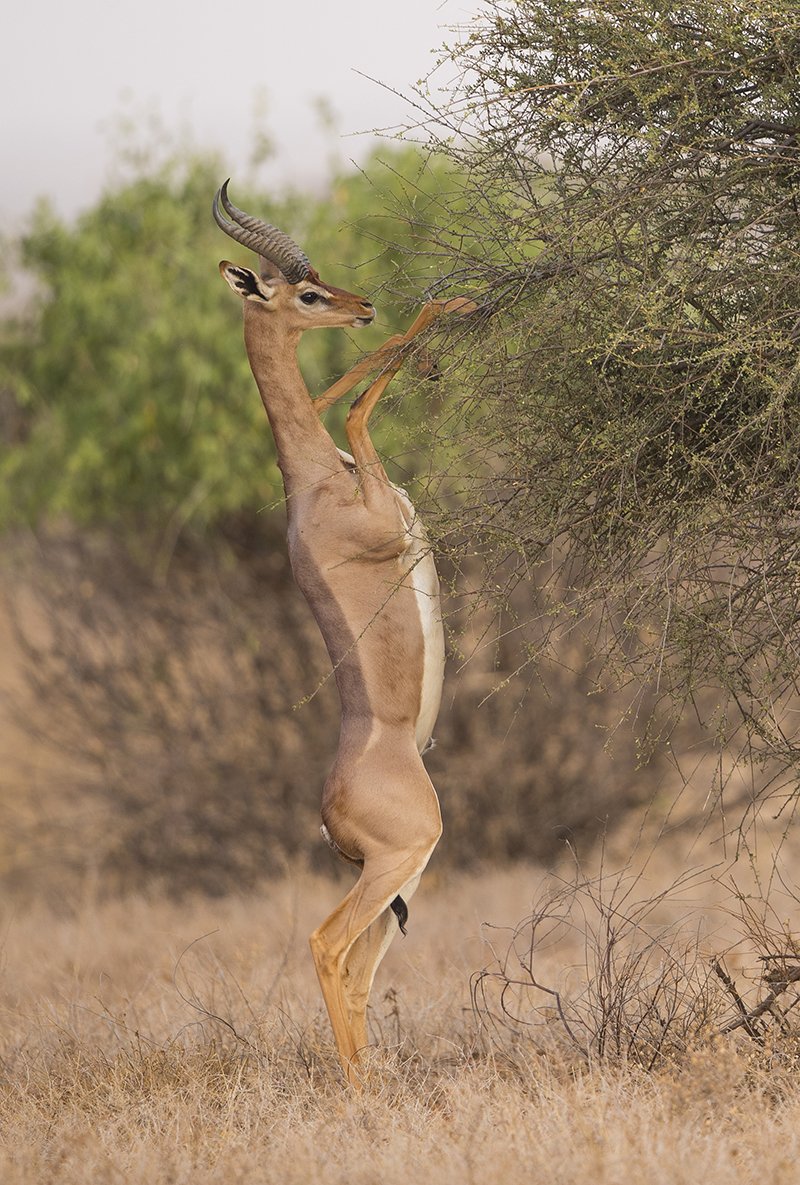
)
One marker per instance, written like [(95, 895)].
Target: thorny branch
[(629, 407)]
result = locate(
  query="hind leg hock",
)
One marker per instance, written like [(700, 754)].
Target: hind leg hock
[(345, 969)]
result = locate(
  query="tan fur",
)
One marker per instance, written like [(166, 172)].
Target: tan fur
[(362, 561)]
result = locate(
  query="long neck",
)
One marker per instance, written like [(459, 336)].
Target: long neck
[(306, 453)]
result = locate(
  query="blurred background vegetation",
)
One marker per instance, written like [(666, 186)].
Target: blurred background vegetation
[(126, 390), (608, 463), (170, 693)]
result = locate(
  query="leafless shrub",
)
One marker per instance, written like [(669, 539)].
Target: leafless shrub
[(610, 968), (190, 722), (636, 987), (173, 707)]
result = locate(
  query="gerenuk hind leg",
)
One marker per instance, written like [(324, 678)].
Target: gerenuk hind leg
[(345, 969), (394, 833)]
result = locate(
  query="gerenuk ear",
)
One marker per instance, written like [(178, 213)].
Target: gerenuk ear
[(244, 282)]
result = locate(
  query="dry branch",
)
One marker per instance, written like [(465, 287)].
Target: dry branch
[(789, 976)]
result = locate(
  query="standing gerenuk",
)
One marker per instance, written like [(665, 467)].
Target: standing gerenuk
[(361, 557)]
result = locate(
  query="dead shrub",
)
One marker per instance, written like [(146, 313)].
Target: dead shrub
[(190, 721), (625, 985), (606, 968)]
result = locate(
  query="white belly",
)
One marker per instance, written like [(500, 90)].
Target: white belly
[(423, 578), (426, 586)]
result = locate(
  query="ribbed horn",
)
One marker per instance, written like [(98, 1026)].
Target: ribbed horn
[(261, 237)]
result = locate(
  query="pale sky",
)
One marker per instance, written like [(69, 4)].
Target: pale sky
[(69, 69)]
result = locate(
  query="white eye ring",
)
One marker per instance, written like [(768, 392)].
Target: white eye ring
[(309, 297)]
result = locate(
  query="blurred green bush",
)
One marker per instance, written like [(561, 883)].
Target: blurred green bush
[(126, 379)]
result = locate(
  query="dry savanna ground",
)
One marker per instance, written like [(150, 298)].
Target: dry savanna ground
[(148, 1041), (170, 1039)]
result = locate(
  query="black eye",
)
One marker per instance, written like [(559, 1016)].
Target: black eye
[(309, 297)]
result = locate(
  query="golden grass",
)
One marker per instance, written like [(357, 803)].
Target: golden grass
[(148, 1041)]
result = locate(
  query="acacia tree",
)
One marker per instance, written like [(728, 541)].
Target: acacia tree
[(634, 167)]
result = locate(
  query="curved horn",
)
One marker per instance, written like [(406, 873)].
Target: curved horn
[(261, 237)]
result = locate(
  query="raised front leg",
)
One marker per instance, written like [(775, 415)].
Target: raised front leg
[(367, 461), (352, 377), (392, 353)]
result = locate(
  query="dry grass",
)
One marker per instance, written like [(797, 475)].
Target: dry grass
[(144, 1041)]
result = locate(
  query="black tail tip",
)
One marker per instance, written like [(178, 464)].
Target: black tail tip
[(400, 908)]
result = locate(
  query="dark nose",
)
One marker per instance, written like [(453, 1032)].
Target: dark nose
[(368, 305)]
